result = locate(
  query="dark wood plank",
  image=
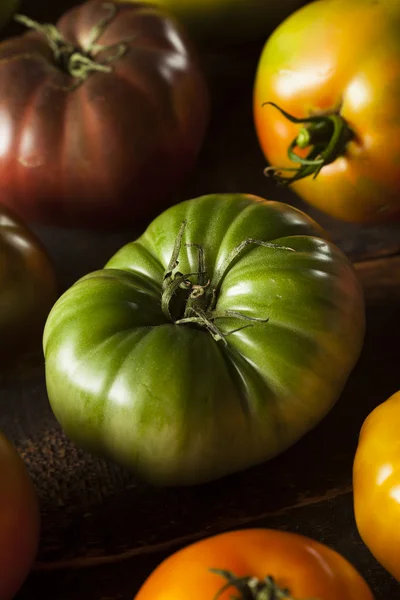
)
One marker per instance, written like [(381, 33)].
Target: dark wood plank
[(331, 522)]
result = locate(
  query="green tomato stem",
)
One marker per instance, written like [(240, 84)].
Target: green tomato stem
[(327, 137), (79, 63)]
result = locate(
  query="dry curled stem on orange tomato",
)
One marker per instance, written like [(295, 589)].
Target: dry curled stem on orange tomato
[(252, 588)]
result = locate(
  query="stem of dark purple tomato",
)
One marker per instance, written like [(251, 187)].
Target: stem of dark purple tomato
[(79, 63)]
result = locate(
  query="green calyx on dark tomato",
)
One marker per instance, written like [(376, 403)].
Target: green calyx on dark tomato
[(211, 343)]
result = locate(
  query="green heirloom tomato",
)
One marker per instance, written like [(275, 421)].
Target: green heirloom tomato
[(210, 344)]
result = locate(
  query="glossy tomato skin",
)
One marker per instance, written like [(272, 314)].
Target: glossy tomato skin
[(319, 61), (307, 568), (229, 22), (28, 287), (376, 484), (19, 521), (112, 149), (169, 400)]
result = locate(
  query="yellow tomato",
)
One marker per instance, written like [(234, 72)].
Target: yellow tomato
[(376, 482)]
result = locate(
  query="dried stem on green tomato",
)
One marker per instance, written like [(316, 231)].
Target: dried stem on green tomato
[(200, 297)]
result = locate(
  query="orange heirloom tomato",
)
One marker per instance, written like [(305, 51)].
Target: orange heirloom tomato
[(334, 68), (248, 563), (376, 482)]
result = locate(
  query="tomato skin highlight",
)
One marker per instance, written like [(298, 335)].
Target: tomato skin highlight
[(109, 148), (19, 521), (376, 484), (306, 567), (319, 62), (28, 287), (181, 403)]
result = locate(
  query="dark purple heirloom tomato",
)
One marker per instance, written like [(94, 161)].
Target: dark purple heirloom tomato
[(28, 287), (101, 116)]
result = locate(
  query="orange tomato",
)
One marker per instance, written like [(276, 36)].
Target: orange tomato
[(19, 521), (338, 64), (376, 483), (279, 559)]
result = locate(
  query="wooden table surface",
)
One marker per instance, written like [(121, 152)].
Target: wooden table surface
[(103, 532)]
